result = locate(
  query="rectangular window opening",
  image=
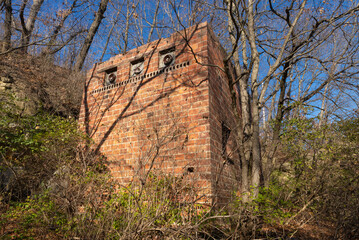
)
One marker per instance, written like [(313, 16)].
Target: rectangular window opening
[(166, 57), (110, 76), (137, 67), (226, 131)]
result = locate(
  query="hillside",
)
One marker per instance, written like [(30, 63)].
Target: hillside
[(40, 84)]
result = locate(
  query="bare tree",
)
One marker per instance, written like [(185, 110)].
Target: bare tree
[(28, 24), (63, 15), (7, 25), (90, 35), (277, 37)]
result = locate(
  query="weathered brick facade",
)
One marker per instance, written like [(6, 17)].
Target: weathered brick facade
[(165, 107)]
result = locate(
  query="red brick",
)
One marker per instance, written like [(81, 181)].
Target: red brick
[(185, 124)]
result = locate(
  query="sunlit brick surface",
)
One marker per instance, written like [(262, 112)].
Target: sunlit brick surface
[(165, 120)]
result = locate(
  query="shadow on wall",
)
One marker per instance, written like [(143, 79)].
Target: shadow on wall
[(149, 110)]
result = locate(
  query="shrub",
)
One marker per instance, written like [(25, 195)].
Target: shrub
[(318, 175), (32, 148)]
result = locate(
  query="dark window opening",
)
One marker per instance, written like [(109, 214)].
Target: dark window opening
[(226, 131), (167, 57), (110, 76), (225, 136)]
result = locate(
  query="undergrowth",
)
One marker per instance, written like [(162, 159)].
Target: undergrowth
[(54, 187)]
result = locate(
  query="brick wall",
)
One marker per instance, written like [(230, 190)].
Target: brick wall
[(168, 119)]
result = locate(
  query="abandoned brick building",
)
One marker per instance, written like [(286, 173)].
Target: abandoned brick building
[(166, 107)]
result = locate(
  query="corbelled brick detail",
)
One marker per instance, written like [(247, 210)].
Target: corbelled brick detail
[(169, 120)]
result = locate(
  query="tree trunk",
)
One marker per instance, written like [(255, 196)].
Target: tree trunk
[(255, 138), (7, 26), (323, 110), (243, 118), (90, 35), (28, 27), (256, 149)]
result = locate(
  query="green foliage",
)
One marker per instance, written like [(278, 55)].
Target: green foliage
[(272, 205), (349, 129), (32, 148), (26, 134), (133, 212), (37, 214), (60, 190), (245, 218), (319, 172)]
